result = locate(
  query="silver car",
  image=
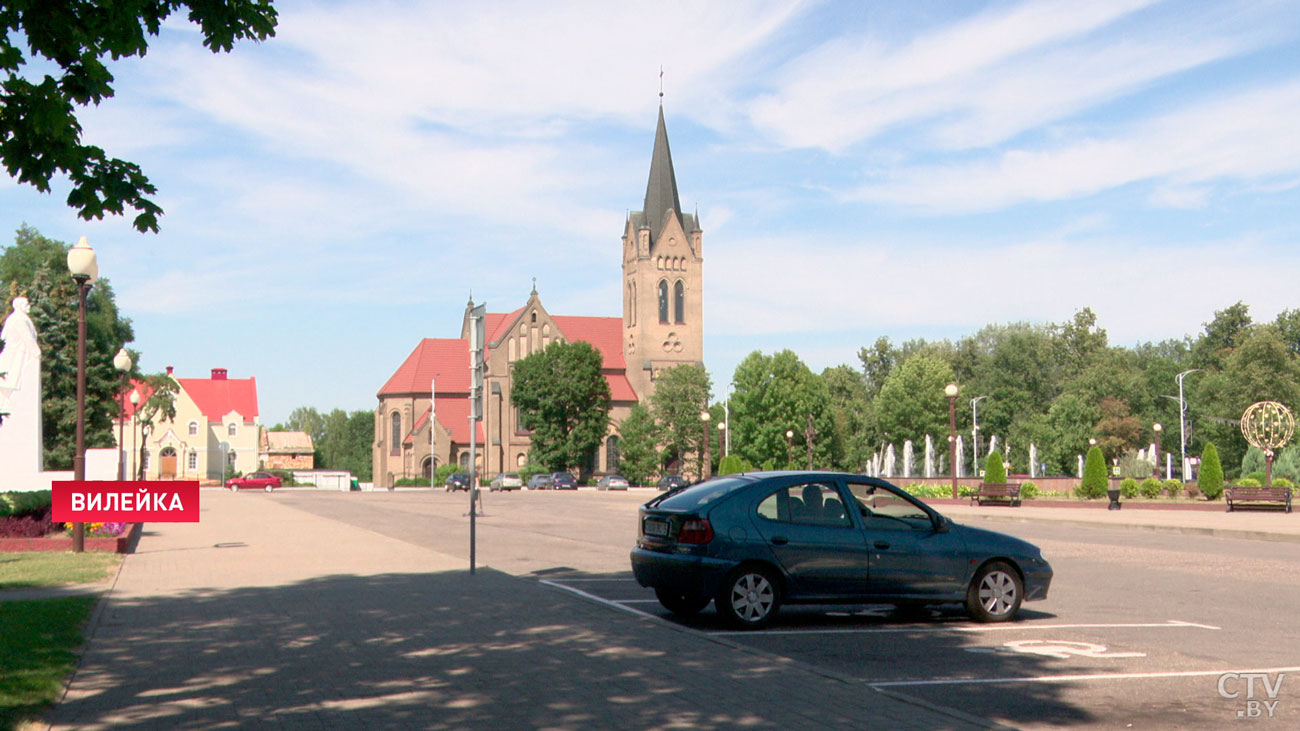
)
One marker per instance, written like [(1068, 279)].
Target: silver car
[(506, 481)]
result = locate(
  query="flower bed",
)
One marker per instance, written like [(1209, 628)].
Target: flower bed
[(61, 540)]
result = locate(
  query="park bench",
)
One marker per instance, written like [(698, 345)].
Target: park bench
[(1258, 497), (997, 492)]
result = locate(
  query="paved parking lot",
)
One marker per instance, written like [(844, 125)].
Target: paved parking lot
[(1152, 630)]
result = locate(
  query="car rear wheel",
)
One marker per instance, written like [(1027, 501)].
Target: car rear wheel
[(749, 597), (995, 593), (268, 487), (234, 488), (681, 604)]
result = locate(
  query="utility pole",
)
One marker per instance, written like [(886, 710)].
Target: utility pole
[(477, 332)]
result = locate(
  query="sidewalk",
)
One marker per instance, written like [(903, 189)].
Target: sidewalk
[(1271, 525), (275, 617)]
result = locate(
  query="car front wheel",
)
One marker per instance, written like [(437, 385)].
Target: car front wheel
[(995, 593), (234, 488), (749, 597), (268, 487)]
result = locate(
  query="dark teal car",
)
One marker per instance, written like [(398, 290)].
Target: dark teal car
[(752, 542)]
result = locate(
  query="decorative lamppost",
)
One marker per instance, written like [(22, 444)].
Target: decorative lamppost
[(1182, 423), (135, 454), (1155, 451), (704, 458), (789, 447), (951, 392), (84, 269), (975, 433), (724, 427), (1267, 426), (122, 362)]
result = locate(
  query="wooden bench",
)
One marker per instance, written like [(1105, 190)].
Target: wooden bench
[(997, 492), (1258, 497)]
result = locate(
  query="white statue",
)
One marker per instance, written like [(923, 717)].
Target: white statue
[(20, 392)]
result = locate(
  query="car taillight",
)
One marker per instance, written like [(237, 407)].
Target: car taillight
[(696, 530)]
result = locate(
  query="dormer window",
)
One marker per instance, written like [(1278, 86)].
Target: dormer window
[(194, 428), (231, 430)]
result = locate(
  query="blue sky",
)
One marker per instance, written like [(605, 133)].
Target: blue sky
[(861, 169)]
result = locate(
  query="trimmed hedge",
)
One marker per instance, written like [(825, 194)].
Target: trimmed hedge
[(24, 503), (1211, 477), (994, 471), (1094, 475)]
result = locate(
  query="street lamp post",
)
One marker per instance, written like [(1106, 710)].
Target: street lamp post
[(725, 428), (84, 270), (1155, 457), (789, 447), (122, 362), (704, 458), (975, 433), (951, 392), (726, 415), (1182, 422), (135, 454)]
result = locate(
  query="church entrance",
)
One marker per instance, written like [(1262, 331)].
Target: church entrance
[(167, 464)]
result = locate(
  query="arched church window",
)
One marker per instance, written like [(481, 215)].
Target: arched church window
[(611, 454), (679, 301), (395, 445), (663, 301), (633, 304)]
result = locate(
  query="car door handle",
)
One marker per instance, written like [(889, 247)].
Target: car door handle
[(780, 540), (882, 545)]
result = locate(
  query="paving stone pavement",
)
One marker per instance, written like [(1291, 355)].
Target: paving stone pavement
[(262, 615)]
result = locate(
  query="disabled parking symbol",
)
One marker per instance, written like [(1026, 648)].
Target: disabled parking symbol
[(1060, 649)]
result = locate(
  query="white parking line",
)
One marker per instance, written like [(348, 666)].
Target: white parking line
[(602, 600), (592, 581), (1067, 678), (1018, 626)]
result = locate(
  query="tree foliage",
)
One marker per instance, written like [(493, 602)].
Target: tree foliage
[(995, 471), (1094, 475), (775, 394), (638, 446), (340, 440), (681, 393), (36, 267), (40, 135), (564, 400), (912, 402)]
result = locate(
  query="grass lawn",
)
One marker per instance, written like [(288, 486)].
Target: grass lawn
[(50, 568), (37, 652)]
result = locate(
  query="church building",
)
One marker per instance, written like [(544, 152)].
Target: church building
[(422, 420)]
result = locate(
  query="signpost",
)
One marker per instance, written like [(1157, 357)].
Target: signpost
[(477, 333)]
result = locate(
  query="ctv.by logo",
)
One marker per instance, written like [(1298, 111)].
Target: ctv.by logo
[(1232, 685)]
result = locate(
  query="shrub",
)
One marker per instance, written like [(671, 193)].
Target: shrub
[(1150, 487), (1282, 482), (1249, 482), (441, 472), (1257, 476), (1094, 475), (1128, 487), (412, 482), (731, 464), (31, 525), (24, 503), (994, 471), (1131, 465), (1028, 490), (1211, 477), (1173, 487)]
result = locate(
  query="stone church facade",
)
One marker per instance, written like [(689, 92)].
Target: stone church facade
[(422, 419)]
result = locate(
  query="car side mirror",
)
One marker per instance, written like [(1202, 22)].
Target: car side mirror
[(941, 524)]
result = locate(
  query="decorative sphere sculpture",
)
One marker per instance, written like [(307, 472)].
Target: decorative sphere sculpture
[(1268, 426)]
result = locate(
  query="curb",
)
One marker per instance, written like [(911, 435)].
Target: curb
[(1150, 528)]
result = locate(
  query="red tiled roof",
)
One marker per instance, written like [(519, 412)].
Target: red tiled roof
[(453, 413), (216, 398), (497, 325), (605, 333), (444, 358), (619, 387)]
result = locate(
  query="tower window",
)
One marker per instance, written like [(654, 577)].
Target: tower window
[(679, 301), (663, 301), (395, 447)]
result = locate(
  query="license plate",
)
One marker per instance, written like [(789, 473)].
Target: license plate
[(656, 528)]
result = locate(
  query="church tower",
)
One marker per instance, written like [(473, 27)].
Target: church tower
[(663, 278)]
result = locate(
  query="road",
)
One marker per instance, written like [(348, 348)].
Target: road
[(1142, 629)]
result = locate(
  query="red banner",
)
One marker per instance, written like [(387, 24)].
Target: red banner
[(108, 501)]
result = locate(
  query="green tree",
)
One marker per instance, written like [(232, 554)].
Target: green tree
[(1077, 343), (638, 446), (1221, 336), (1118, 431), (1259, 368), (774, 394), (40, 135), (681, 393), (308, 420), (877, 363), (563, 399), (854, 417), (158, 407), (1210, 480), (912, 403), (994, 470), (36, 266), (1094, 475), (345, 442)]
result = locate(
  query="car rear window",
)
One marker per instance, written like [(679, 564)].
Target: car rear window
[(701, 495)]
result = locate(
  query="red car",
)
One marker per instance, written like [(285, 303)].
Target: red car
[(254, 481)]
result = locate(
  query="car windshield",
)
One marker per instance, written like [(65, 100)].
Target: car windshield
[(698, 496)]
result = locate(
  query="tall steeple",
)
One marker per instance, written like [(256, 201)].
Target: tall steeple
[(661, 190)]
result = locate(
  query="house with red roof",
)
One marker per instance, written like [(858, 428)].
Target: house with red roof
[(423, 417), (216, 425)]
